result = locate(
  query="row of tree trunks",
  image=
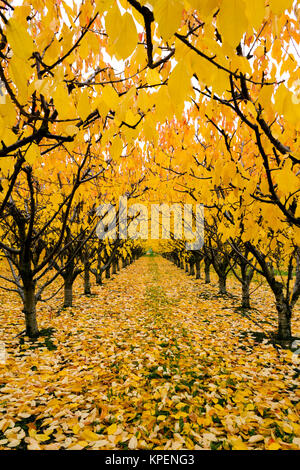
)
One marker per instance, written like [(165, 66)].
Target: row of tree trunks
[(192, 266), (285, 296)]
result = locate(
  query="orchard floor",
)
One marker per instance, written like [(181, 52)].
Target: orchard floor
[(155, 360)]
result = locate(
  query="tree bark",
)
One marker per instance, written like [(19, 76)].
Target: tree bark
[(222, 284), (107, 272), (247, 275), (245, 294), (207, 273), (30, 312), (192, 269), (99, 277), (284, 320), (99, 271), (68, 293), (87, 281), (114, 267), (198, 269)]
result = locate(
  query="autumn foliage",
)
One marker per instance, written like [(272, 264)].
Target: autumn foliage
[(161, 101)]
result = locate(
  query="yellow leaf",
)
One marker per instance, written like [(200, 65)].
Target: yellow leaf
[(232, 21), (103, 5), (83, 105), (180, 414), (110, 97), (71, 129), (20, 79), (161, 418), (255, 12), (127, 37), (279, 6), (88, 435), (116, 148), (180, 405), (62, 101), (153, 77), (76, 428), (112, 429), (168, 15), (32, 154), (205, 7), (273, 446), (122, 33), (265, 96), (83, 443), (238, 444), (287, 429), (19, 39), (179, 94), (42, 437)]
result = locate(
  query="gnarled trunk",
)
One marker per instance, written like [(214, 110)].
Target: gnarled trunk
[(247, 275), (245, 294), (99, 270), (68, 293), (114, 267), (87, 281), (107, 272), (222, 284), (99, 277), (284, 320), (207, 272), (192, 269), (198, 269), (29, 303)]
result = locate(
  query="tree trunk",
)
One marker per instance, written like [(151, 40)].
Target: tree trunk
[(222, 284), (198, 269), (87, 281), (207, 273), (107, 272), (114, 267), (186, 267), (192, 269), (30, 312), (284, 320), (68, 293), (245, 294), (247, 275), (99, 277), (118, 264), (123, 262)]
